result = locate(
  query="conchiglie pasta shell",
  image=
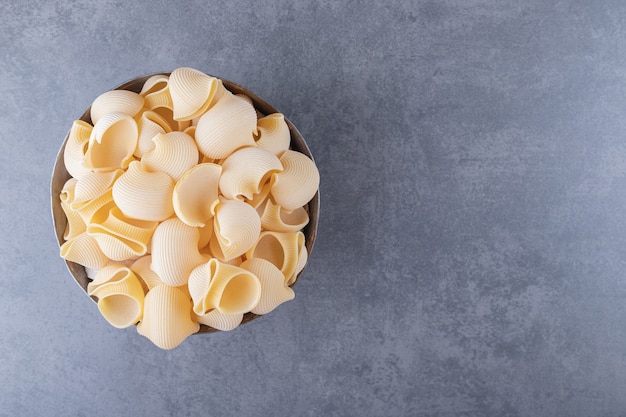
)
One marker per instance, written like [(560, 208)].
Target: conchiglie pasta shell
[(195, 194), (236, 226), (227, 288), (160, 98), (303, 257), (75, 224), (149, 279), (75, 148), (281, 249), (116, 101), (175, 251), (297, 183), (120, 295), (112, 143), (221, 321), (191, 91), (67, 192), (275, 218), (120, 237), (92, 192), (273, 289), (144, 195), (246, 170), (167, 317), (149, 124), (84, 250), (225, 127), (174, 153), (155, 83), (273, 134)]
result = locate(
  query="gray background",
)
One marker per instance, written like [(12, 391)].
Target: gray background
[(471, 252)]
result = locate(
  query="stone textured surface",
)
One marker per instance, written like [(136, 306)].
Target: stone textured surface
[(471, 254)]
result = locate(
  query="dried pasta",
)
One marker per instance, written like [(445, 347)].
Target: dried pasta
[(245, 171), (274, 292)]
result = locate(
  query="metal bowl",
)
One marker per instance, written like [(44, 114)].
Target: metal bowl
[(60, 176)]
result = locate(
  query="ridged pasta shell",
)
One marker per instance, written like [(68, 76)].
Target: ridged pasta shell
[(116, 101), (149, 279), (221, 321), (167, 317), (246, 98), (84, 250), (274, 292), (144, 195), (275, 218), (227, 288), (92, 192), (75, 224), (120, 295), (155, 83), (191, 91), (297, 183), (226, 127), (168, 114), (281, 249), (273, 134), (112, 143), (118, 236), (246, 170), (175, 251), (303, 257), (149, 125), (195, 194), (67, 192), (236, 226), (174, 153), (75, 148)]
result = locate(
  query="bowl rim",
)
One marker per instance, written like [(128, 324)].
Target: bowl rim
[(60, 176)]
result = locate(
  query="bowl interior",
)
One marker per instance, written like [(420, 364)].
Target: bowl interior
[(60, 176)]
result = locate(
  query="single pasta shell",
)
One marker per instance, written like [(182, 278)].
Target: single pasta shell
[(155, 83), (246, 170), (226, 127), (236, 226), (149, 125), (227, 288), (274, 292), (144, 195), (276, 219), (120, 295), (149, 279), (167, 317), (67, 192), (75, 148), (297, 183), (116, 101), (303, 257), (75, 224), (120, 237), (174, 153), (191, 91), (112, 142), (84, 250), (195, 194), (92, 186), (281, 249), (273, 134), (221, 321), (175, 251)]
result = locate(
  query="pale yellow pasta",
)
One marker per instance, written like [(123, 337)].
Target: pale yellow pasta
[(67, 192), (118, 236), (221, 321), (195, 194), (84, 250), (245, 171), (303, 257), (112, 143), (275, 218), (154, 83), (174, 153), (144, 195), (274, 292), (273, 134), (191, 131), (148, 278), (261, 197), (192, 92), (92, 192), (167, 317), (168, 114), (175, 251), (149, 125), (75, 148), (226, 288), (281, 249), (116, 101), (120, 295), (296, 185), (226, 127), (75, 224), (246, 98), (206, 232), (236, 226)]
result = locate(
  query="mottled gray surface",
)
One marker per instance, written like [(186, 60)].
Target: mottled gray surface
[(472, 246)]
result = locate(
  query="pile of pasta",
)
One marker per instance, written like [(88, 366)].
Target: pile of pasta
[(185, 206)]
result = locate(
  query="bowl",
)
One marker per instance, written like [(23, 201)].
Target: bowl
[(60, 176)]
